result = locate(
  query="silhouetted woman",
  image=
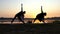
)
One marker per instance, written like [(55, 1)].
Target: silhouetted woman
[(20, 16), (40, 16)]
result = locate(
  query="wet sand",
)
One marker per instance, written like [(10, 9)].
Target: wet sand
[(30, 28)]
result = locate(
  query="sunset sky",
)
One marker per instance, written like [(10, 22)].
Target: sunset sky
[(8, 8)]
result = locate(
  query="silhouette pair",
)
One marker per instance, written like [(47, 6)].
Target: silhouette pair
[(20, 15)]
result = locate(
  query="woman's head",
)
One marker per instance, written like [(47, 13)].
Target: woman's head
[(45, 14), (24, 12)]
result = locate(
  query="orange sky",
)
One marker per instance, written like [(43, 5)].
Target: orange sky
[(8, 8)]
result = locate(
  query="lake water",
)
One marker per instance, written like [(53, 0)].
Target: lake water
[(17, 21)]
